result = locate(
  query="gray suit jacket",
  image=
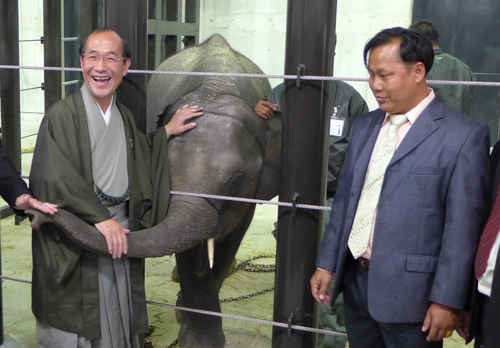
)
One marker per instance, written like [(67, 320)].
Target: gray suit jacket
[(428, 218)]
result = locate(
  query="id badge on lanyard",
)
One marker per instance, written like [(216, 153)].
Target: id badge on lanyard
[(336, 124)]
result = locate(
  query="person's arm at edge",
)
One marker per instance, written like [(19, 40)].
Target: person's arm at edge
[(16, 192)]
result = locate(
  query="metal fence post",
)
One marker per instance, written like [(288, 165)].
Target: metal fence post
[(309, 51)]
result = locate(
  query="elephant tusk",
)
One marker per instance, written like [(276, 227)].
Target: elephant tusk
[(210, 247)]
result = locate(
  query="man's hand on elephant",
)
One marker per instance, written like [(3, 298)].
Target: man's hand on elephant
[(116, 237), (25, 202), (320, 281), (264, 109), (177, 124), (440, 322)]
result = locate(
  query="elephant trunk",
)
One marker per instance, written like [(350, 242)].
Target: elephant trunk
[(188, 222)]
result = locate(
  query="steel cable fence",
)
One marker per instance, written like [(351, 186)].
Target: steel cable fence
[(286, 77)]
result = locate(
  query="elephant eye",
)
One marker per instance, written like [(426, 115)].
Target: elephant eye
[(237, 179)]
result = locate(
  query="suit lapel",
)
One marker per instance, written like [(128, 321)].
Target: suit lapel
[(364, 153), (424, 126), (371, 132)]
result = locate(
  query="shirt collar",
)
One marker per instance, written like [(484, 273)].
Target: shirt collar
[(108, 112), (438, 51), (413, 114)]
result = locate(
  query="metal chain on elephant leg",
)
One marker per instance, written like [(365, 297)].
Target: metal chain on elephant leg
[(174, 343), (258, 268), (248, 266), (244, 297), (226, 300)]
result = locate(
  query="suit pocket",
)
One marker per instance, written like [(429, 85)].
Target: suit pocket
[(421, 263), (427, 170)]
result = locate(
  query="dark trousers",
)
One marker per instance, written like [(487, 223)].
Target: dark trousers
[(482, 319), (365, 332)]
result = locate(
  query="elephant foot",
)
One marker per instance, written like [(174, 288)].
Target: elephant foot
[(198, 330), (195, 338)]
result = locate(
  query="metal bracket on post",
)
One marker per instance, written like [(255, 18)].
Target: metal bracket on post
[(289, 329), (301, 70), (294, 203)]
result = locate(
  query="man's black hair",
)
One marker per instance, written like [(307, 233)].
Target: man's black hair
[(126, 53), (414, 47), (428, 29)]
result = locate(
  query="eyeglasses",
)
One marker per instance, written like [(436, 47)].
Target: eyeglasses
[(110, 61)]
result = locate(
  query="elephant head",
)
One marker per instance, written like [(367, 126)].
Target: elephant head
[(230, 152)]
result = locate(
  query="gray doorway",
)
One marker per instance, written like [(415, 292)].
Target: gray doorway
[(468, 30), (172, 26)]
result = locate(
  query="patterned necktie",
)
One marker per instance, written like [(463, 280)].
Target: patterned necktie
[(488, 238), (363, 221)]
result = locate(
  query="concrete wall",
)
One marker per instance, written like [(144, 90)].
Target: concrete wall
[(31, 54), (357, 22), (257, 29)]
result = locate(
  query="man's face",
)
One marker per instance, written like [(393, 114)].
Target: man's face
[(101, 77), (393, 83)]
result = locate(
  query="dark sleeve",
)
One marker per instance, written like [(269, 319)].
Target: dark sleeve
[(276, 95), (467, 95), (350, 105), (160, 175), (11, 184)]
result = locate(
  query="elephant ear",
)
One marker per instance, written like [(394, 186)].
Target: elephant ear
[(269, 180), (164, 90)]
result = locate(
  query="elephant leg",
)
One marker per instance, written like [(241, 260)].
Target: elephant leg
[(226, 249), (199, 291), (200, 287)]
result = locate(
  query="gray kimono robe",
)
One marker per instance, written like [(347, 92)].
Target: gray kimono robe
[(65, 291)]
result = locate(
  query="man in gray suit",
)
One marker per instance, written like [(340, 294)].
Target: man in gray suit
[(406, 217)]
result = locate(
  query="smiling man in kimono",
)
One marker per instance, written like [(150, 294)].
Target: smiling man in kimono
[(91, 160)]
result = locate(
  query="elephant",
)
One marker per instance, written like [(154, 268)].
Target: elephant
[(230, 152)]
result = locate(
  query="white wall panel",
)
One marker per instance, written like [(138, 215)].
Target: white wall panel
[(257, 29), (31, 54)]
